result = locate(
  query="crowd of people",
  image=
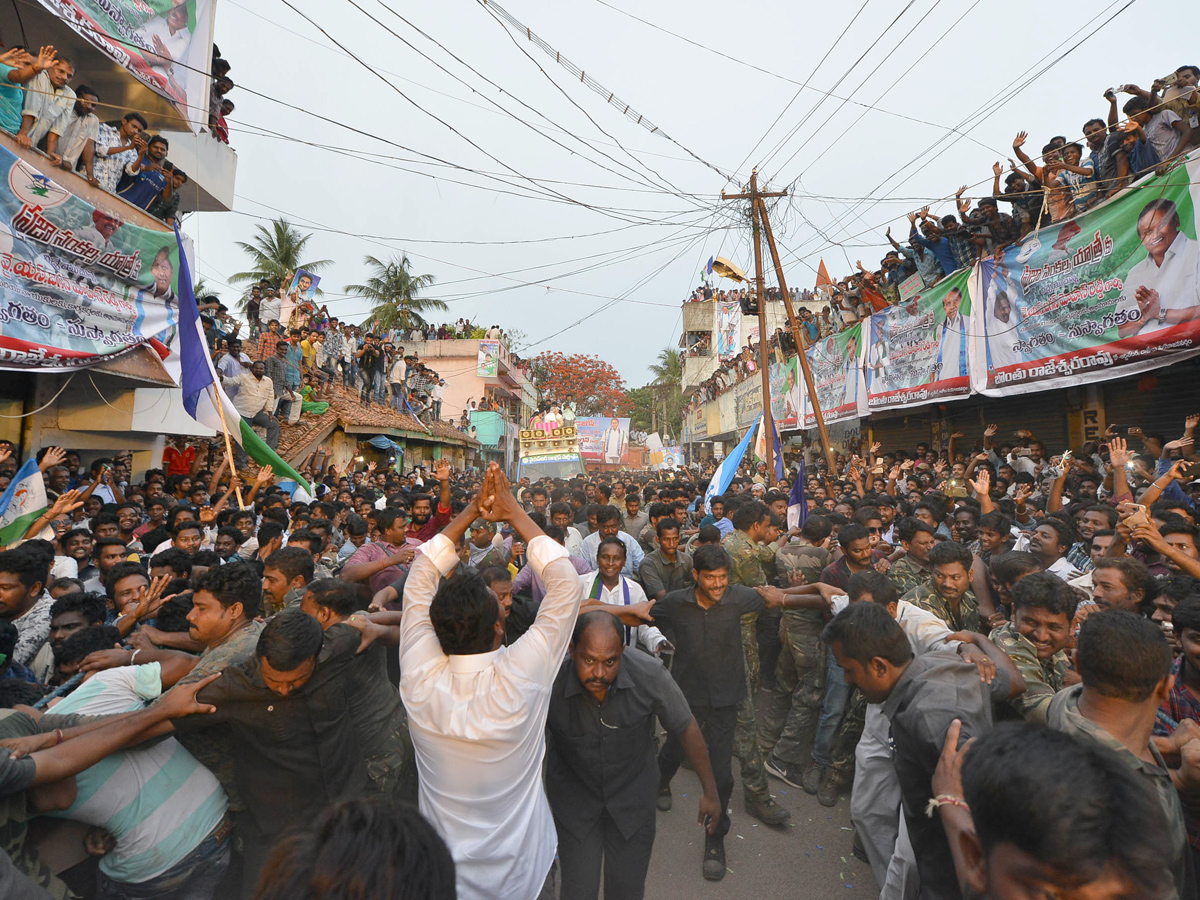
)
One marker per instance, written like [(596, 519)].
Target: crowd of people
[(1147, 131), (42, 111), (990, 647)]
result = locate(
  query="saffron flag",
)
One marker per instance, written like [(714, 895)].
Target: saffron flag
[(202, 391), (823, 278), (760, 448), (723, 476), (22, 504)]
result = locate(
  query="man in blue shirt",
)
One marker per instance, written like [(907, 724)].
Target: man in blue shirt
[(145, 177)]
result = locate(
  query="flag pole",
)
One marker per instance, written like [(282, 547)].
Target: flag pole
[(237, 487)]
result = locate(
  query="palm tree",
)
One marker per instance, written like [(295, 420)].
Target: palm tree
[(275, 252), (395, 294), (669, 368), (667, 388)]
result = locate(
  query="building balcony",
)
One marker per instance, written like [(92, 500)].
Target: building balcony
[(696, 369), (211, 165), (700, 317)]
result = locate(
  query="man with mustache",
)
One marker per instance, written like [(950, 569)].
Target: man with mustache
[(601, 769)]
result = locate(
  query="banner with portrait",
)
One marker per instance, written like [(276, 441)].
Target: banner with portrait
[(837, 377), (488, 360), (77, 284), (164, 44), (1110, 293), (918, 352), (729, 329), (785, 393), (604, 439)]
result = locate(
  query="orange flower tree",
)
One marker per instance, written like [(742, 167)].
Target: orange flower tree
[(595, 387)]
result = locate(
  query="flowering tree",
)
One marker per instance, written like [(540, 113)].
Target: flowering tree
[(595, 387)]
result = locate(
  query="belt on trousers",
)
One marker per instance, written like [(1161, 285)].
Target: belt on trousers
[(222, 830)]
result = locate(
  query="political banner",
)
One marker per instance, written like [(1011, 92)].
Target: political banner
[(603, 440), (785, 393), (837, 377), (910, 287), (487, 363), (1110, 293), (747, 400), (164, 44), (298, 302), (77, 284), (729, 329), (918, 352)]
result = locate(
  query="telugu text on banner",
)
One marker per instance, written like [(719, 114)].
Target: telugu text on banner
[(837, 377), (1112, 292), (918, 352), (77, 284)]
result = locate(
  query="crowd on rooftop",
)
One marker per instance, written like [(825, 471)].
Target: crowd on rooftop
[(1149, 132), (42, 111)]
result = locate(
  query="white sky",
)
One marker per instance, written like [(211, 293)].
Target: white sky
[(977, 66)]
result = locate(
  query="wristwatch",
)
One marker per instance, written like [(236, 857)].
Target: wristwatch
[(1162, 317)]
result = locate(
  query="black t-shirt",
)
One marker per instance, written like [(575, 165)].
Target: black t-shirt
[(709, 665)]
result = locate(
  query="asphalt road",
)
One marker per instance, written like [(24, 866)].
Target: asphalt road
[(810, 857)]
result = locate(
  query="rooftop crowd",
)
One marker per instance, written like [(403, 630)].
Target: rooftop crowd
[(284, 370), (445, 682), (44, 112), (1141, 131)]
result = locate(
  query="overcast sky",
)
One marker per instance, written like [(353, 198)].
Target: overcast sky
[(939, 92)]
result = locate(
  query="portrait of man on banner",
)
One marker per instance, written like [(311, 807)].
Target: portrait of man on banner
[(613, 442), (1165, 286), (952, 350)]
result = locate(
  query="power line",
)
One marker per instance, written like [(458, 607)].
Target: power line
[(610, 98), (811, 74)]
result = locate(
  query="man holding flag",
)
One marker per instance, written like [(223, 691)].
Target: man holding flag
[(203, 397)]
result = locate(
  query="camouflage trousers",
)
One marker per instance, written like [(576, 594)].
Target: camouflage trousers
[(845, 741), (787, 728), (745, 737)]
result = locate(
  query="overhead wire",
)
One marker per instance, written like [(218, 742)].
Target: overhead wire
[(800, 90), (533, 192), (803, 85), (670, 188), (780, 144), (894, 83), (610, 97), (993, 103)]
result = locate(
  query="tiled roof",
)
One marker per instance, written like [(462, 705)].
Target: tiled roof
[(345, 410)]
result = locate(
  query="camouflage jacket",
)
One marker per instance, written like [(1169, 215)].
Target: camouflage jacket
[(906, 575), (967, 617), (1043, 678), (797, 564), (747, 560)]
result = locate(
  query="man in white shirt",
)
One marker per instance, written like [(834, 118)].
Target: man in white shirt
[(613, 442), (477, 709), (118, 147), (74, 135), (608, 524), (270, 309), (254, 400), (562, 515), (233, 363), (952, 359), (610, 587), (47, 99), (1165, 286)]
